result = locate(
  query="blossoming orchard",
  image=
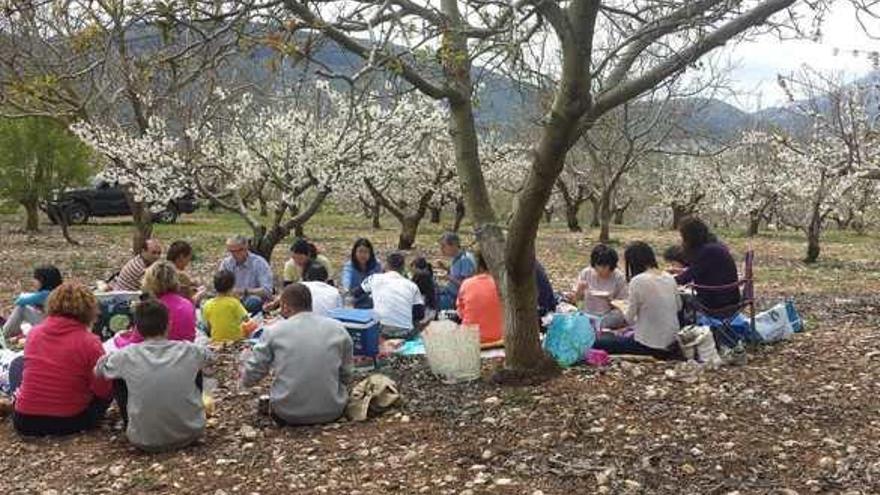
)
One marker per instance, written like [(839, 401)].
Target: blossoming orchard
[(337, 215)]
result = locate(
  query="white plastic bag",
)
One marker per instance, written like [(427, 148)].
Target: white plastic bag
[(773, 325), (453, 351)]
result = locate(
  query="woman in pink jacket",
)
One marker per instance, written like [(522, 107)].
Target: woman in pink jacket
[(161, 281), (59, 393)]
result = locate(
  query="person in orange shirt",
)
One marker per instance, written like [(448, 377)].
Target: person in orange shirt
[(478, 303)]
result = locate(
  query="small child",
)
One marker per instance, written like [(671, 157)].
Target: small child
[(223, 314), (158, 383), (676, 261), (601, 283)]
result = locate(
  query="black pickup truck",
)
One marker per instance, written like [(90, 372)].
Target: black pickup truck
[(108, 200)]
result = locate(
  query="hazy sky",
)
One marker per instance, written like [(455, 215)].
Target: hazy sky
[(758, 62)]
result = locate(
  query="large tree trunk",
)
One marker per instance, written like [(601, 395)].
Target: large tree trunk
[(814, 232), (143, 225), (375, 216), (460, 212), (754, 224), (571, 217), (813, 249), (596, 208), (409, 229), (679, 213), (436, 214), (32, 215), (605, 215)]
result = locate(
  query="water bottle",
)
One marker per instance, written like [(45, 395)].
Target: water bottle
[(739, 356)]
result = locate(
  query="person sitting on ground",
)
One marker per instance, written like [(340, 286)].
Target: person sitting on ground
[(396, 299), (29, 305), (709, 264), (325, 297), (224, 313), (362, 264), (160, 280), (158, 387), (422, 274), (479, 304), (129, 277), (546, 296), (310, 357), (461, 267), (652, 309), (675, 259), (601, 283), (59, 393), (302, 254), (253, 275), (180, 253)]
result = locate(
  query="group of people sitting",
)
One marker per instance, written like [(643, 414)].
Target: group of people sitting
[(641, 311), (66, 378)]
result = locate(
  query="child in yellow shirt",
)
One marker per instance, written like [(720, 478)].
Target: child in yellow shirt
[(223, 314)]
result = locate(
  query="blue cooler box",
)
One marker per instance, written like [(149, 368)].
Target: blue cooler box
[(363, 327)]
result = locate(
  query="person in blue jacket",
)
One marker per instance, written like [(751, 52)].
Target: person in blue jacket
[(362, 264), (29, 305)]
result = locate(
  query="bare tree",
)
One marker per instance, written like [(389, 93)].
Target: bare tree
[(112, 64), (643, 44)]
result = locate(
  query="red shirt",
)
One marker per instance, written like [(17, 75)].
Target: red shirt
[(478, 304), (59, 369)]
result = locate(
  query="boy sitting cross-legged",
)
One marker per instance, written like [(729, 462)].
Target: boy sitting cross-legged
[(159, 382)]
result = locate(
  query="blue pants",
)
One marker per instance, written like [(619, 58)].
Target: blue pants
[(252, 304), (445, 299)]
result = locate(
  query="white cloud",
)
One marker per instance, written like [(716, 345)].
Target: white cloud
[(758, 62)]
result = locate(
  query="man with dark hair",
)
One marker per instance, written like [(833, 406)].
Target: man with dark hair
[(130, 276), (396, 299), (324, 296), (462, 266), (310, 357), (158, 386)]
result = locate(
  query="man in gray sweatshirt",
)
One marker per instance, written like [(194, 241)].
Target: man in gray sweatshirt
[(311, 359)]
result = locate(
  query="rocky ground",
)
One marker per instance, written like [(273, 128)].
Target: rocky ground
[(801, 417)]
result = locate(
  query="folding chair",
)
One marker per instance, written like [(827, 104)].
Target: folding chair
[(728, 314)]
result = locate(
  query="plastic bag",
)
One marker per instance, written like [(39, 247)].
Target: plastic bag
[(774, 325), (453, 352), (569, 337)]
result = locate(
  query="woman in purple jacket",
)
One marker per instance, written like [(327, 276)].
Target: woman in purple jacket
[(710, 264)]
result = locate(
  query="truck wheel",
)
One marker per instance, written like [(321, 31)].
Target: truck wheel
[(168, 215), (77, 214)]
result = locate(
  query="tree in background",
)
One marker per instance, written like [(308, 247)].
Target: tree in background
[(39, 156), (822, 163)]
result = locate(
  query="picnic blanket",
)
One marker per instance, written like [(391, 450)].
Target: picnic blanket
[(416, 347)]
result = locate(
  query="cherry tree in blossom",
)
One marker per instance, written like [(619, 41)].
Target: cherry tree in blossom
[(823, 164)]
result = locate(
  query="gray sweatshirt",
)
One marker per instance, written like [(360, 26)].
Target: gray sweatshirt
[(311, 358), (164, 405)]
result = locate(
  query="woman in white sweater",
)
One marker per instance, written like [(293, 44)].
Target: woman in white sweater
[(652, 310)]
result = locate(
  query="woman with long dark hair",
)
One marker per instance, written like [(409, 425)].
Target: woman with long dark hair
[(358, 268), (709, 264), (29, 305), (652, 309)]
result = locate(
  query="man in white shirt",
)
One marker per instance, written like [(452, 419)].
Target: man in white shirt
[(324, 296), (396, 299)]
